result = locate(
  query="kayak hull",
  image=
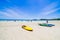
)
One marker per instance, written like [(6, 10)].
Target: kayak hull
[(47, 25), (27, 28)]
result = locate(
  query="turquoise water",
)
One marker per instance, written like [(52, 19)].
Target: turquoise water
[(27, 20)]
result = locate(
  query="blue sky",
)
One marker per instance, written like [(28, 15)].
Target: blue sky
[(29, 9)]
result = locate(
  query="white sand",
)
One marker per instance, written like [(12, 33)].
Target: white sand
[(10, 30)]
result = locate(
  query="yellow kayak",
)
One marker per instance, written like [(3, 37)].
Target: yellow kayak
[(27, 28)]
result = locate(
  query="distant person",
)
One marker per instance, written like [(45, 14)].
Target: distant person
[(14, 20), (47, 21)]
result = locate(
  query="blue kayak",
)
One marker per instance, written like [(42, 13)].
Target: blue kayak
[(47, 25)]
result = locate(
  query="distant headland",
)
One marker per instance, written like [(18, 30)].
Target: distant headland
[(28, 19)]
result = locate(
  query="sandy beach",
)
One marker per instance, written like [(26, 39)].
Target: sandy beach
[(10, 30)]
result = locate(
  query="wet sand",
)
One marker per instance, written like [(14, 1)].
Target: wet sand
[(10, 30)]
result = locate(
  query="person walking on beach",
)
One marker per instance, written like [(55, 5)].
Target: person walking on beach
[(47, 21)]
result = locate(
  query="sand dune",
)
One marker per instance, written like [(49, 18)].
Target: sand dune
[(10, 30)]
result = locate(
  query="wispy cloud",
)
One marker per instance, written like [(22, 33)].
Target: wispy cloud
[(6, 14), (14, 13), (45, 14), (48, 10), (50, 6)]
